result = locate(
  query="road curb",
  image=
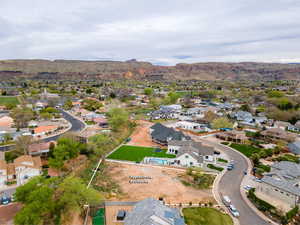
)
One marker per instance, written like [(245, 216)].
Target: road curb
[(243, 193)]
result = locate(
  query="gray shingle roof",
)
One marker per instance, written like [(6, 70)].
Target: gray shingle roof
[(283, 185), (164, 134), (153, 212), (295, 147)]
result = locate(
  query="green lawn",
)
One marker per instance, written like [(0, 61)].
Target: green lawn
[(9, 100), (247, 150), (205, 216), (137, 154)]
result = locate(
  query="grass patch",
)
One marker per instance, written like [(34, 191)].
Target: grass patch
[(205, 216), (247, 150), (225, 143), (9, 100), (222, 160), (287, 157), (211, 166), (137, 154)]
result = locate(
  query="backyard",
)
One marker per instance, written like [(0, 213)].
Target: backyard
[(205, 216), (137, 153), (9, 100)]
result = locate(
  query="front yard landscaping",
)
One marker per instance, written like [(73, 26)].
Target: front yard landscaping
[(247, 150), (205, 216), (137, 153)]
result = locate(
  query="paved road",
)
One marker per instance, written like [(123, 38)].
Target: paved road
[(230, 185), (77, 125)]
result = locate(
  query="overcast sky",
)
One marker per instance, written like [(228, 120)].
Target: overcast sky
[(163, 32)]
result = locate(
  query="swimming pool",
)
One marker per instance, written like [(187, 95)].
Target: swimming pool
[(158, 161)]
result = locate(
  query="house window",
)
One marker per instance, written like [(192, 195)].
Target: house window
[(186, 156), (191, 163), (276, 190)]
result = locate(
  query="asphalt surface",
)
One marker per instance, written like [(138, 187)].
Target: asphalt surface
[(230, 185), (77, 125)]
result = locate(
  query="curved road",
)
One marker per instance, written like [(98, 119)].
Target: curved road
[(230, 184), (77, 125)]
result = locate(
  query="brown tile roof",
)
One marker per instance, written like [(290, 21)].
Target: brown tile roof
[(37, 147), (42, 129), (35, 162)]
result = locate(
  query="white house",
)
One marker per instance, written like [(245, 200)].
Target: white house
[(23, 168), (190, 153), (192, 126)]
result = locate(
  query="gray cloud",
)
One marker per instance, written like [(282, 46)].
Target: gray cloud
[(164, 32)]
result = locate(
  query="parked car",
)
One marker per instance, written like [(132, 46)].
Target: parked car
[(230, 167), (226, 200), (248, 187), (234, 211), (5, 200)]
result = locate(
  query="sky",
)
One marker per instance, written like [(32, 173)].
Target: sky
[(164, 32)]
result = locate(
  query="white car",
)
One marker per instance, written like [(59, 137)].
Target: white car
[(234, 211), (248, 187)]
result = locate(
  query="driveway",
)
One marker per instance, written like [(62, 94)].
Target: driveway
[(230, 185)]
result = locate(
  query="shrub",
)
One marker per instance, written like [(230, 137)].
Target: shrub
[(260, 204), (211, 166)]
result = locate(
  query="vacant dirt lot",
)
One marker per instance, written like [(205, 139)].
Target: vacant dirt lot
[(141, 135), (164, 183)]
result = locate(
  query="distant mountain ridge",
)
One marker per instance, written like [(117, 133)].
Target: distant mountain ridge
[(132, 69)]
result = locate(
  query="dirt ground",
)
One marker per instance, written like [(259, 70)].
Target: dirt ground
[(8, 212), (164, 183), (141, 135)]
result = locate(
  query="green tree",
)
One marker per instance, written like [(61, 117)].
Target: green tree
[(65, 149), (118, 118), (91, 104), (73, 194), (22, 116), (148, 91), (68, 105), (221, 122)]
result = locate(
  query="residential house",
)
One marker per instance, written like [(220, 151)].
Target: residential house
[(164, 113), (190, 153), (41, 149), (102, 122), (171, 107), (242, 116), (282, 125), (233, 136), (26, 167), (192, 126), (162, 135), (6, 121), (278, 134), (282, 184), (23, 168), (294, 128), (151, 211), (44, 130)]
